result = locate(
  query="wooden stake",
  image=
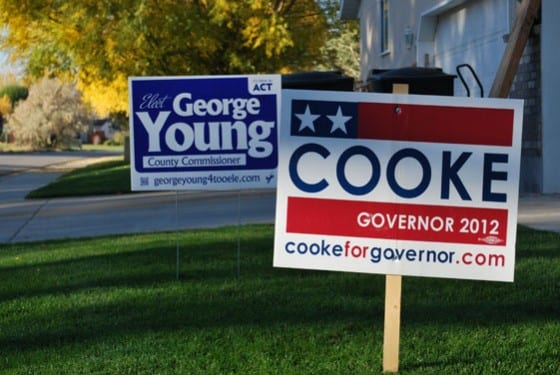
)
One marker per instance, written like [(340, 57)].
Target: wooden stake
[(400, 88), (393, 287), (392, 327)]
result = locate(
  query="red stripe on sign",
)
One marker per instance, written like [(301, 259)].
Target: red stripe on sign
[(412, 222), (439, 124)]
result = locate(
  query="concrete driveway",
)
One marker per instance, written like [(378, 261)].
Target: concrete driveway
[(24, 220)]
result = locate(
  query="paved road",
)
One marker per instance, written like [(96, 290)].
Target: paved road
[(42, 219)]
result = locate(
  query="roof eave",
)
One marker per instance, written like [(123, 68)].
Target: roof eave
[(349, 9)]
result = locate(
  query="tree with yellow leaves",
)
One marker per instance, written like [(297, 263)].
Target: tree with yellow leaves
[(98, 44), (5, 106), (5, 110)]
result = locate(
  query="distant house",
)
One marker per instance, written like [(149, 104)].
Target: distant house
[(447, 33), (101, 130)]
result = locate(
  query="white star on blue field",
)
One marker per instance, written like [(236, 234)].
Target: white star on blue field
[(307, 120), (339, 121), (317, 118)]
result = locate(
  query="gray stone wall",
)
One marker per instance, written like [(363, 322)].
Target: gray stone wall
[(527, 86)]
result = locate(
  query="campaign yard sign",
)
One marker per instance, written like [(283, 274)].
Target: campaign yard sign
[(398, 184), (204, 132)]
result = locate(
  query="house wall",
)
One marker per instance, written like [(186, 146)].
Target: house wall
[(449, 32), (399, 55), (550, 69)]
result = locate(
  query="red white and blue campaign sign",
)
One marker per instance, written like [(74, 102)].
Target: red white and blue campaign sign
[(204, 132), (398, 184)]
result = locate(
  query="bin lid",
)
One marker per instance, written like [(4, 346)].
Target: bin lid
[(295, 80)]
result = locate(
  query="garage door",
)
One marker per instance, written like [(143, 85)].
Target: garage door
[(472, 33)]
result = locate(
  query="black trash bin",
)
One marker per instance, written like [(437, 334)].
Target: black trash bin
[(424, 81), (331, 80)]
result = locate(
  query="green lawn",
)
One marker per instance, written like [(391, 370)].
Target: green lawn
[(113, 306), (111, 177)]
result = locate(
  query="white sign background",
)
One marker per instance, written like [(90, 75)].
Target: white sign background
[(433, 233)]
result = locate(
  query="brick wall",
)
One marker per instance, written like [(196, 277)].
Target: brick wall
[(527, 86)]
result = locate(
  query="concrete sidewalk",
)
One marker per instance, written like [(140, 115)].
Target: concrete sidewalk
[(24, 220), (540, 212), (19, 162)]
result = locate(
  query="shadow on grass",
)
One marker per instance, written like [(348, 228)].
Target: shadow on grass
[(82, 298)]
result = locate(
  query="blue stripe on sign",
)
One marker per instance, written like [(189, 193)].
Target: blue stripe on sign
[(314, 118)]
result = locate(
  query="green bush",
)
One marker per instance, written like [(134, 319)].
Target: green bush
[(15, 93), (117, 140), (119, 119)]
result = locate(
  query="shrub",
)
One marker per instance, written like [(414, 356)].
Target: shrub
[(51, 117), (5, 106), (119, 119), (117, 140), (15, 93)]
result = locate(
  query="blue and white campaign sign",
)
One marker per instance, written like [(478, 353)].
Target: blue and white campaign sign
[(398, 184), (204, 132)]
